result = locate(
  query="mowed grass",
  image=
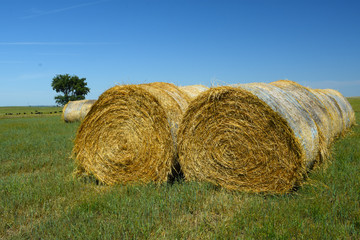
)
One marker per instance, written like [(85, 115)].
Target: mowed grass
[(40, 199)]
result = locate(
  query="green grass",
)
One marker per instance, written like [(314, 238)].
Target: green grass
[(355, 103), (39, 198)]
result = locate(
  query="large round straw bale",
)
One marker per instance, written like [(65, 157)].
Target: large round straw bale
[(231, 137), (337, 124), (129, 134), (348, 112), (193, 90), (76, 110), (317, 111)]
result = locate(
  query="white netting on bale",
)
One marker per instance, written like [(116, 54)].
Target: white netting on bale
[(76, 110), (337, 123), (248, 137), (193, 90), (346, 109), (86, 108), (316, 109), (294, 113)]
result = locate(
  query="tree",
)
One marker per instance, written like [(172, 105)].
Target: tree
[(72, 87)]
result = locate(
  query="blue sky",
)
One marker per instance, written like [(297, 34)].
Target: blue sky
[(316, 43)]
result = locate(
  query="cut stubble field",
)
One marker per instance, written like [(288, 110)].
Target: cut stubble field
[(40, 198)]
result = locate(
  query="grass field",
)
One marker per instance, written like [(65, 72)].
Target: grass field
[(40, 199), (11, 112)]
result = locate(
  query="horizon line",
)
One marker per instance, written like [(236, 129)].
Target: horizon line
[(59, 43)]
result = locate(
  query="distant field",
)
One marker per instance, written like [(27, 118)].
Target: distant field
[(40, 198), (10, 112)]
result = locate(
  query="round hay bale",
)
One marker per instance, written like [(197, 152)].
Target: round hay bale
[(76, 110), (299, 119), (346, 109), (63, 112), (317, 111), (233, 138), (129, 135), (337, 124), (86, 108), (193, 90)]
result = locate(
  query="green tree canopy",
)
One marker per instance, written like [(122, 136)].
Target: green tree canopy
[(72, 87)]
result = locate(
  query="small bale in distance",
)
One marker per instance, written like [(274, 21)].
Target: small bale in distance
[(76, 110)]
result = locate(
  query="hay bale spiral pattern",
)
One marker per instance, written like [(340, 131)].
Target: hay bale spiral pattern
[(232, 138), (129, 135)]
